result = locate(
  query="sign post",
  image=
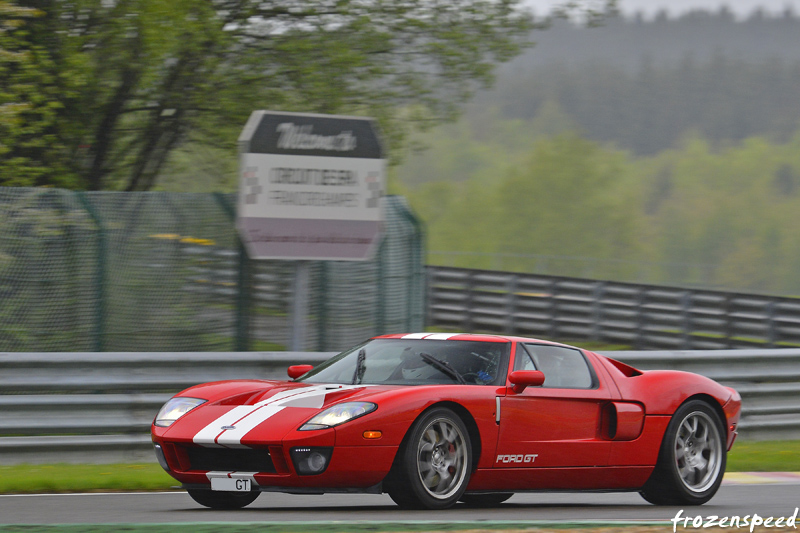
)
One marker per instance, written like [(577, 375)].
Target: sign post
[(310, 189)]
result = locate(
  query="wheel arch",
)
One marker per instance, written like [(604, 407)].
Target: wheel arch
[(472, 428), (465, 416), (715, 406)]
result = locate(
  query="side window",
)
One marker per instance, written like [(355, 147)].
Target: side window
[(564, 368), (524, 359)]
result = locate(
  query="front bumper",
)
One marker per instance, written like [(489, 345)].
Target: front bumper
[(271, 468)]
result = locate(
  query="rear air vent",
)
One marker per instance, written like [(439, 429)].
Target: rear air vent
[(628, 370)]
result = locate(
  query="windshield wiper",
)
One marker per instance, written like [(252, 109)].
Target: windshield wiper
[(444, 366), (360, 368)]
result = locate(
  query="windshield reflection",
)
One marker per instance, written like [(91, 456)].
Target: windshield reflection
[(416, 362)]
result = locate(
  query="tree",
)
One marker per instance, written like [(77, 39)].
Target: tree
[(29, 149), (571, 198), (138, 78)]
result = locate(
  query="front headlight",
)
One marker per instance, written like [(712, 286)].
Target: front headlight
[(338, 414), (174, 409)]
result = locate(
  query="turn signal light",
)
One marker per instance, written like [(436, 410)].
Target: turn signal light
[(372, 434)]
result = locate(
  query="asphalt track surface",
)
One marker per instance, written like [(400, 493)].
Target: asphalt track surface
[(733, 499)]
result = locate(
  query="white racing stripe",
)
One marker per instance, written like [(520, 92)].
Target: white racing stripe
[(416, 335), (245, 418), (208, 435), (233, 437), (431, 336), (440, 336)]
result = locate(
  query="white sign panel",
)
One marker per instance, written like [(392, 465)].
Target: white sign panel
[(310, 186)]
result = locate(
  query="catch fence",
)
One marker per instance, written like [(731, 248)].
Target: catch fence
[(157, 271)]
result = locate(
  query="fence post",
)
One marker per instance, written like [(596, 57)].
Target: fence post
[(598, 292), (416, 262), (511, 304), (322, 308), (469, 287), (100, 273), (553, 318), (686, 320), (639, 321), (380, 312), (727, 305), (243, 284), (771, 329), (243, 287)]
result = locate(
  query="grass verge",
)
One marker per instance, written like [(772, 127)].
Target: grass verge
[(746, 456), (765, 456), (83, 478)]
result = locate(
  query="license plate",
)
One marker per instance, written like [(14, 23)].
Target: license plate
[(230, 485)]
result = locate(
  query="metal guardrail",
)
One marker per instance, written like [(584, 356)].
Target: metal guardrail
[(97, 407), (645, 317)]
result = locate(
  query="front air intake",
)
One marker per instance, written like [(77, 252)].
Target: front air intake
[(233, 459)]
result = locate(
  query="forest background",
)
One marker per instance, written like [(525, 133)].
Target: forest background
[(662, 150), (659, 151)]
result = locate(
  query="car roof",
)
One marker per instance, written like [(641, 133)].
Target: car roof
[(478, 337)]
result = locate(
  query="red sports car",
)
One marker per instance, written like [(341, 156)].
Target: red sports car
[(433, 419)]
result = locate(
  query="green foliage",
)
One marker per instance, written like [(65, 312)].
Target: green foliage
[(137, 80), (562, 196), (695, 215), (734, 209), (707, 193), (30, 151), (567, 199)]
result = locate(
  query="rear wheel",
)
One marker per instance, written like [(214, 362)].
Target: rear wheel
[(692, 458), (486, 500), (434, 464), (223, 500)]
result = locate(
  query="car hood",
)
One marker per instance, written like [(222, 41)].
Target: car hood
[(258, 412)]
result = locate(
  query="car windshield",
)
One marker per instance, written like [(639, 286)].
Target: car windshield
[(416, 362)]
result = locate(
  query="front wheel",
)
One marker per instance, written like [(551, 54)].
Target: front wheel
[(692, 458), (434, 463), (223, 500)]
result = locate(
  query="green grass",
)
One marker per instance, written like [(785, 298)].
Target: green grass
[(81, 478), (746, 456), (764, 456)]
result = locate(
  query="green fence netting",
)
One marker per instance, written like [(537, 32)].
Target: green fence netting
[(156, 271)]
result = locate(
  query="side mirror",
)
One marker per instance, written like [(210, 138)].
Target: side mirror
[(525, 378), (295, 371)]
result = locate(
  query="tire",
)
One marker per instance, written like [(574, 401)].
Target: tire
[(223, 500), (434, 464), (692, 458), (486, 500)]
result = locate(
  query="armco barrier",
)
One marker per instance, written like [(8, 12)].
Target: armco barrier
[(97, 407), (645, 317)]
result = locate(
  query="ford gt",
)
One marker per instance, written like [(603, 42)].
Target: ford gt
[(435, 419)]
